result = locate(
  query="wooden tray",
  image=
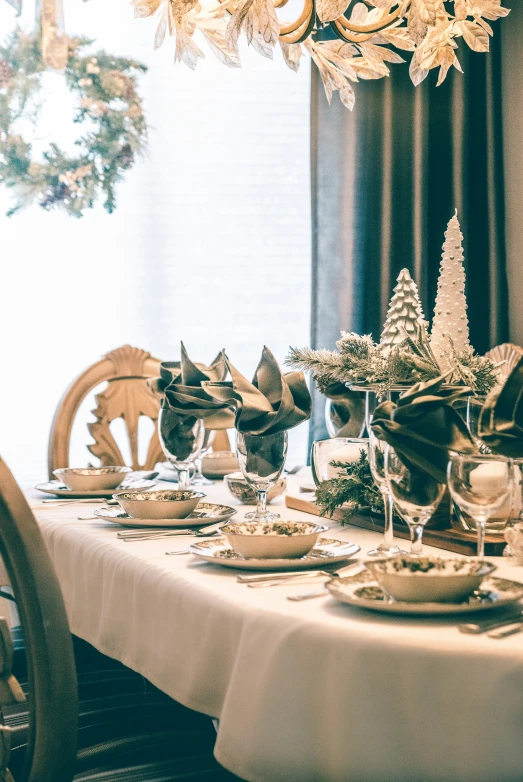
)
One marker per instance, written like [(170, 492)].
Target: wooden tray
[(450, 539)]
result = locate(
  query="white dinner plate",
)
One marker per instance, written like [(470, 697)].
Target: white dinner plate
[(363, 590), (326, 552), (207, 512), (59, 489)]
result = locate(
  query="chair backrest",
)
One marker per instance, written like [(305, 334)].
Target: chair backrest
[(53, 706), (127, 396)]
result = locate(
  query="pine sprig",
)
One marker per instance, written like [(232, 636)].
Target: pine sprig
[(360, 360), (354, 487)]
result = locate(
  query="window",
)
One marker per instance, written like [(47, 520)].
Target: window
[(210, 242)]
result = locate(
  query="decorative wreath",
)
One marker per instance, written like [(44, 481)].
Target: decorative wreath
[(109, 110)]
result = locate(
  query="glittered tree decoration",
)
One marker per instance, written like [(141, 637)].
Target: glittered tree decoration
[(405, 315), (450, 326)]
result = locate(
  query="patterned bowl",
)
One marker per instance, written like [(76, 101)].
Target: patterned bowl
[(219, 463), (239, 487), (160, 504), (91, 478), (414, 579), (273, 539)]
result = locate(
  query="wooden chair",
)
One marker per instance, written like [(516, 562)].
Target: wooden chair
[(121, 727), (51, 746), (127, 396)]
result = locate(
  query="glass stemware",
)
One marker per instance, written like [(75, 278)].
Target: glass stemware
[(480, 486), (387, 547), (415, 493), (181, 439), (261, 458), (337, 449), (198, 478)]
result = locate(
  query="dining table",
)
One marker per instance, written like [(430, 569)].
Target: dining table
[(311, 691)]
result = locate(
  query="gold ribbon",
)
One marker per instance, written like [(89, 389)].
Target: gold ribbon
[(54, 39), (50, 13)]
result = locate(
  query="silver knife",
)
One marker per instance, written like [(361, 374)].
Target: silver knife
[(476, 628), (509, 630)]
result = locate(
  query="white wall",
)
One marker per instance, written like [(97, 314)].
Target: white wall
[(210, 242)]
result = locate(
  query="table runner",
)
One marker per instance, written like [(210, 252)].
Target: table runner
[(305, 691)]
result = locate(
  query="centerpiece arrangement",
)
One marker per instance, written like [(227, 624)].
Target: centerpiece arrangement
[(407, 353)]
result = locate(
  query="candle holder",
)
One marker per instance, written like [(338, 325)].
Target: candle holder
[(336, 449)]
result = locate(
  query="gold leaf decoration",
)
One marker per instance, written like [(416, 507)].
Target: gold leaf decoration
[(430, 29), (328, 10)]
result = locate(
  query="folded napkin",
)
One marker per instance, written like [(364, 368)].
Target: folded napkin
[(423, 427), (501, 419), (181, 386), (272, 403)]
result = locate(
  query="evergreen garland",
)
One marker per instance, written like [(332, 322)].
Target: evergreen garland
[(109, 107), (361, 361), (355, 487)]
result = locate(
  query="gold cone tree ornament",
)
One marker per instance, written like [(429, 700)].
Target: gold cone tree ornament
[(365, 34), (450, 326), (405, 315)]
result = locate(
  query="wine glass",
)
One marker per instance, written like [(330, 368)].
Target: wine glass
[(416, 495), (181, 439), (480, 485), (387, 547), (198, 478), (261, 458)]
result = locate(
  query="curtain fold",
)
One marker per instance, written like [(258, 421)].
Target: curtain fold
[(386, 179)]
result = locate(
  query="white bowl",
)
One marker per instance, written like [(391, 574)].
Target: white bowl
[(220, 463), (273, 539), (91, 478), (240, 489), (160, 504), (413, 579)]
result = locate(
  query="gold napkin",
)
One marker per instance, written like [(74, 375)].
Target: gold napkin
[(272, 403), (423, 427), (185, 393), (501, 419)]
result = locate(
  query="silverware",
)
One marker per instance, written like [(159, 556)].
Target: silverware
[(66, 501), (309, 595), (509, 630), (294, 470), (180, 551), (476, 628), (144, 534), (279, 576), (276, 579)]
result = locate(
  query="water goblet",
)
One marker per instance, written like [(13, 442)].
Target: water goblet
[(480, 485), (261, 458), (198, 478), (416, 495), (181, 439), (387, 548)]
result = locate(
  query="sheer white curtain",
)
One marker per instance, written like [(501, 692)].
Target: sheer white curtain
[(210, 242)]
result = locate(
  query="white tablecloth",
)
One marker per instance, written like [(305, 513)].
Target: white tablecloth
[(304, 691)]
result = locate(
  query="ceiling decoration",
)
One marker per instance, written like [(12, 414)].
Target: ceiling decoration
[(366, 35)]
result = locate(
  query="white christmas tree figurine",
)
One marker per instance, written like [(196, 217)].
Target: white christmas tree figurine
[(405, 314), (450, 323)]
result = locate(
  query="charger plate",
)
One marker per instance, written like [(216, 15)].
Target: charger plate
[(327, 551), (207, 512), (59, 489), (363, 590)]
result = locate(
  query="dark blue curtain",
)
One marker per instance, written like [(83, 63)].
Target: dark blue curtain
[(386, 179)]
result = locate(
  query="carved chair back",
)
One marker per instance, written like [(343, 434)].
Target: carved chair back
[(53, 706), (127, 396)]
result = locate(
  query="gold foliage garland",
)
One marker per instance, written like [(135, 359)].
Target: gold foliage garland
[(430, 29)]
